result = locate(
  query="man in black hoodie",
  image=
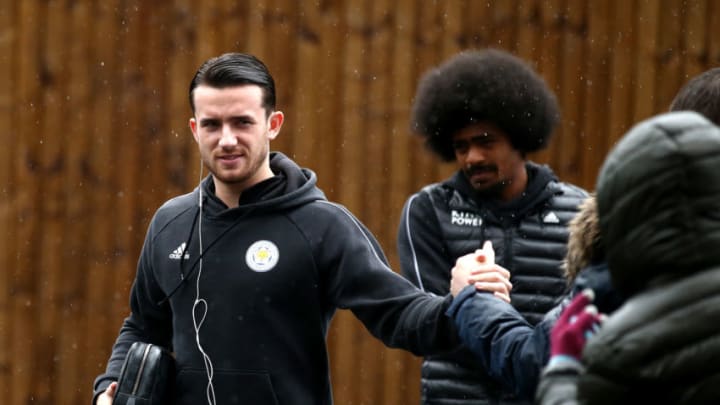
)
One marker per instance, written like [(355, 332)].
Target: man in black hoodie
[(486, 110), (241, 277)]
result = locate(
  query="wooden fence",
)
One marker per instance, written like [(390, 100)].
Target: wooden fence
[(94, 102)]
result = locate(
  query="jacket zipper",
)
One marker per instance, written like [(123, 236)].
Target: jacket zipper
[(140, 371)]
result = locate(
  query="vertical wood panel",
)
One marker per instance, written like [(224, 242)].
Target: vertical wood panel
[(402, 376), (52, 167), (350, 188), (8, 137), (100, 293), (713, 33), (182, 157), (646, 69), (668, 53), (505, 24), (596, 83), (427, 48), (377, 83), (24, 270), (257, 37), (127, 167), (694, 38), (623, 42), (547, 53), (282, 27), (568, 145), (305, 122), (69, 359)]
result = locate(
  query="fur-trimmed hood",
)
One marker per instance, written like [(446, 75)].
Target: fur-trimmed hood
[(584, 239)]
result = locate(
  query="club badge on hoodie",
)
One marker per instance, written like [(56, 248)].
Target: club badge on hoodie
[(262, 256)]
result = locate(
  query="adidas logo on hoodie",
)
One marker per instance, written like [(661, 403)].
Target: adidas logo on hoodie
[(177, 253)]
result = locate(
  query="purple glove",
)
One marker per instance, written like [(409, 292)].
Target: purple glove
[(577, 323)]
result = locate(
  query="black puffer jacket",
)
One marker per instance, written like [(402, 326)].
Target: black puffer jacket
[(443, 222), (659, 205)]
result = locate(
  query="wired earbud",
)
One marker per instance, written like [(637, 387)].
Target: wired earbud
[(200, 302)]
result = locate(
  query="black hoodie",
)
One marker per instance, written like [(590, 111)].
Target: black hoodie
[(274, 270)]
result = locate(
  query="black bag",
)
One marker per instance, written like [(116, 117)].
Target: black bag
[(146, 377)]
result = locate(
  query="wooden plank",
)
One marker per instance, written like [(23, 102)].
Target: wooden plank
[(504, 20), (532, 18), (182, 158), (568, 147), (24, 270), (305, 118), (256, 39), (452, 23), (624, 42), (234, 25), (330, 86), (72, 295), (100, 326), (477, 24), (401, 146), (668, 78), (596, 83), (316, 87), (152, 126), (647, 21), (713, 34), (350, 191), (428, 55), (376, 83), (8, 113), (53, 168), (281, 26), (695, 39), (208, 39), (127, 167), (546, 55), (402, 370)]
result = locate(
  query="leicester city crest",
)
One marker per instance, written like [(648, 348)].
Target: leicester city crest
[(262, 256)]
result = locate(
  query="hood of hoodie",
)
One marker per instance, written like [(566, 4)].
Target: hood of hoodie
[(658, 196), (291, 186)]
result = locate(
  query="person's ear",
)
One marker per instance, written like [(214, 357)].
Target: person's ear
[(193, 127), (275, 122)]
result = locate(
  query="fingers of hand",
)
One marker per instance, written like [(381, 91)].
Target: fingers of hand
[(489, 252), (492, 277), (576, 306), (493, 287), (502, 296), (588, 321)]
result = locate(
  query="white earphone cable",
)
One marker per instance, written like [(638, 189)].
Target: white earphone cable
[(200, 302)]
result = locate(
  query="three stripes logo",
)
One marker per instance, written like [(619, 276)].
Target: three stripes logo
[(177, 254)]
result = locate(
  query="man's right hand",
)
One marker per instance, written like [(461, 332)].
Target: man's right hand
[(106, 398), (479, 268)]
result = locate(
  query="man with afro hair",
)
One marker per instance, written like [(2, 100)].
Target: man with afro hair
[(486, 110)]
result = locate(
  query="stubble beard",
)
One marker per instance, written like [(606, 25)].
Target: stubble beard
[(251, 167)]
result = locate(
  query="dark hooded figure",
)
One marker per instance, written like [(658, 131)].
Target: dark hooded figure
[(658, 197)]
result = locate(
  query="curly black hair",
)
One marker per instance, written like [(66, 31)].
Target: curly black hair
[(484, 86)]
